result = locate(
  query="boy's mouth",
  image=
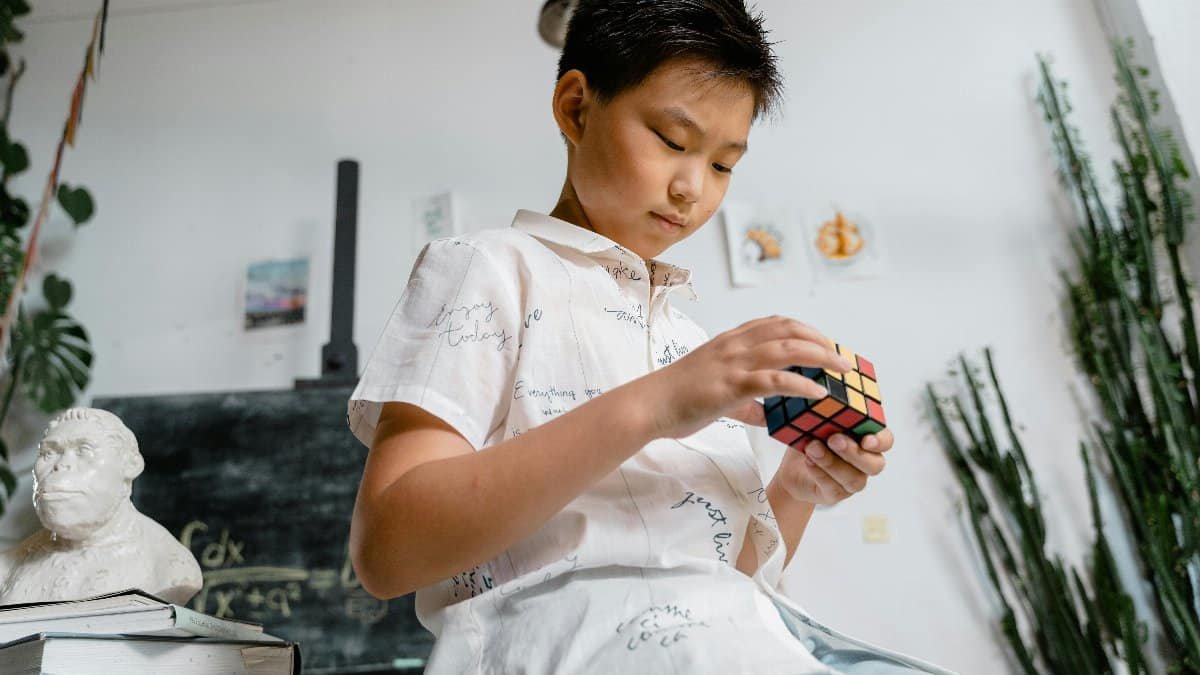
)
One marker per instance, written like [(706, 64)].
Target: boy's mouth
[(666, 223)]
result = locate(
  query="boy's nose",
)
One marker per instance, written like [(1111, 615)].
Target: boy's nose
[(686, 188)]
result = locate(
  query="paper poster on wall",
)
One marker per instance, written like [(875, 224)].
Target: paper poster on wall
[(437, 217), (762, 245), (844, 244), (276, 293)]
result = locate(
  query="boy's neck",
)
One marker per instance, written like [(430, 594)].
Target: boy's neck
[(569, 209)]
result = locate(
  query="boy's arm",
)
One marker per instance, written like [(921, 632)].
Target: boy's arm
[(791, 517), (822, 474), (430, 506)]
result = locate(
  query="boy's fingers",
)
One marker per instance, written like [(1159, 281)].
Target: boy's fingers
[(825, 482), (784, 352), (750, 412), (865, 461), (880, 442), (848, 477), (774, 382), (780, 328)]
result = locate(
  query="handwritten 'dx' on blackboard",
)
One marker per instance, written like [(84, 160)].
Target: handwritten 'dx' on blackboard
[(260, 487)]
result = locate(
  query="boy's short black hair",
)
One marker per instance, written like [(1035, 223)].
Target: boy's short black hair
[(618, 43)]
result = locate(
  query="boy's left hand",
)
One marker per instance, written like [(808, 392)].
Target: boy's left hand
[(821, 474)]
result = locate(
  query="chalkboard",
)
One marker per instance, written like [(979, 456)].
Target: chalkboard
[(260, 486)]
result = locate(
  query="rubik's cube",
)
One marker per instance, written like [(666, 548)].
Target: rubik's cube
[(853, 407)]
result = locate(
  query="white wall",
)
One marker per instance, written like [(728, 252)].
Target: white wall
[(210, 138)]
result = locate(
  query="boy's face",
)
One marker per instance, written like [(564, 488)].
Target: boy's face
[(637, 160)]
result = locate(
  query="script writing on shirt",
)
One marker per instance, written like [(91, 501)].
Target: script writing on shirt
[(470, 324), (567, 564), (661, 624), (552, 396), (766, 515), (760, 496), (720, 539), (670, 352), (470, 583), (636, 318), (619, 270)]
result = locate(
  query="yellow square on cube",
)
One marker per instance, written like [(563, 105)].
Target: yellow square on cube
[(833, 373), (854, 379), (848, 354), (871, 389), (857, 401)]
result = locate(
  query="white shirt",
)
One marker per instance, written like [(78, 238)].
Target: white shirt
[(502, 330)]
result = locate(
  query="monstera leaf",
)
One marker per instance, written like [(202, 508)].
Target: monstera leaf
[(55, 356)]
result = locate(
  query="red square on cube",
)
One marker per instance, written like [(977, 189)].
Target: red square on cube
[(826, 430), (849, 417), (787, 434), (876, 411), (866, 368), (808, 421)]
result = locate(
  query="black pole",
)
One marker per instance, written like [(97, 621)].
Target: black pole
[(339, 357)]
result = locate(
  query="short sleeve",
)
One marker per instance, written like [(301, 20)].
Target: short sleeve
[(449, 346)]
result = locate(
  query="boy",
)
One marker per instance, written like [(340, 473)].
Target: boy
[(558, 463)]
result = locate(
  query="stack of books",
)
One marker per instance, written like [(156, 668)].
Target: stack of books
[(132, 632)]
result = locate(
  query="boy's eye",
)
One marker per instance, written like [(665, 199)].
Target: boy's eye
[(668, 142), (722, 169)]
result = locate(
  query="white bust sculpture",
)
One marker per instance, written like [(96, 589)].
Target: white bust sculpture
[(94, 541)]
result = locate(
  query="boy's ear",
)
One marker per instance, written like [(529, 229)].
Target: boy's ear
[(572, 98)]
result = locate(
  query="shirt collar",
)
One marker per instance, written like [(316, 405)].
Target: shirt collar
[(558, 231)]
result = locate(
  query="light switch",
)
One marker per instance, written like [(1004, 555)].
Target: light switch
[(875, 530)]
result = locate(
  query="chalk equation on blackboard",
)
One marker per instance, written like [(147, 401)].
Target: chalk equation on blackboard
[(235, 589)]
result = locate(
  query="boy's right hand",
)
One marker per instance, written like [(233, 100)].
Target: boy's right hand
[(722, 377)]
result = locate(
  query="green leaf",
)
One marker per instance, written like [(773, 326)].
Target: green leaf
[(15, 158), (14, 211), (9, 32), (77, 202), (12, 258), (18, 7), (57, 291), (9, 480), (56, 359)]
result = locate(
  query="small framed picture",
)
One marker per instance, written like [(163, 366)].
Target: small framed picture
[(437, 217), (276, 293), (762, 245), (843, 244)]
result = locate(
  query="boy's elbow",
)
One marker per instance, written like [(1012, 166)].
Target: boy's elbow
[(382, 581), (379, 574)]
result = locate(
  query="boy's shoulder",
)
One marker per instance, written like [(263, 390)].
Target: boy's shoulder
[(494, 238), (506, 246)]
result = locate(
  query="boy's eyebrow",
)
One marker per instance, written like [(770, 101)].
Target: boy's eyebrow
[(679, 116)]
